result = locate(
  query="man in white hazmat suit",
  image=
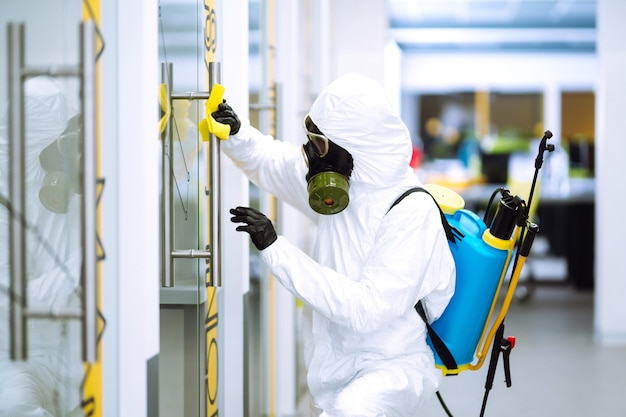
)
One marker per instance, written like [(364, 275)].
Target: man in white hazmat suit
[(365, 345)]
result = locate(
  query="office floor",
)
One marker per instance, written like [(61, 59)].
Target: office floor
[(556, 368)]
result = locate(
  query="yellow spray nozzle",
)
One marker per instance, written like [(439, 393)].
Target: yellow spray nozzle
[(209, 124)]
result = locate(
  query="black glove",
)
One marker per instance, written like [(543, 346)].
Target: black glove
[(257, 225), (227, 116)]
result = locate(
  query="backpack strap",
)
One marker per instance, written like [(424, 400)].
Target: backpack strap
[(438, 344), (446, 226)]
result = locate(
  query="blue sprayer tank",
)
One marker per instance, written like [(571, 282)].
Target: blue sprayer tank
[(481, 260)]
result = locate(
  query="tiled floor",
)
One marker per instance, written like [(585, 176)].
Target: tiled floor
[(556, 368)]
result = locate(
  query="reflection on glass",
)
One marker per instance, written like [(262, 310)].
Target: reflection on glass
[(48, 382)]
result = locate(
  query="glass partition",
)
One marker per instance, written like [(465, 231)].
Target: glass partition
[(41, 221), (188, 303)]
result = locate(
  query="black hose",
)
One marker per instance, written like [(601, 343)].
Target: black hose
[(487, 218), (443, 404)]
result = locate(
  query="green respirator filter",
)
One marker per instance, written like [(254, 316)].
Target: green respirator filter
[(55, 192), (328, 192)]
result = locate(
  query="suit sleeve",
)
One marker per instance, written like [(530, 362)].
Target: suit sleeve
[(410, 260), (275, 166)]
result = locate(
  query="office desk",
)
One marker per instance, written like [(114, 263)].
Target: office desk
[(565, 217), (579, 191)]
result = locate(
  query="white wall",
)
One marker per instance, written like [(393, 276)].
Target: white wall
[(358, 36), (232, 52), (289, 76), (610, 309), (431, 71), (130, 161)]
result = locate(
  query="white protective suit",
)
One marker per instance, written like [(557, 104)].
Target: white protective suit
[(365, 347)]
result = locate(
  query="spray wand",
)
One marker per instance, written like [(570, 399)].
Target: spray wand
[(543, 146), (528, 232)]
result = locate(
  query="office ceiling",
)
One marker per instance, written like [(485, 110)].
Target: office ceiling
[(494, 25), (441, 25)]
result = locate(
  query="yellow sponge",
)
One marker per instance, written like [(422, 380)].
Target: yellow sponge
[(165, 107), (209, 124)]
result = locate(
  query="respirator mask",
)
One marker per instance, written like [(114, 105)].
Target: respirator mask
[(61, 161), (330, 167)]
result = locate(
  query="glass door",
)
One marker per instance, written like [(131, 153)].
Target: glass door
[(189, 234), (47, 202)]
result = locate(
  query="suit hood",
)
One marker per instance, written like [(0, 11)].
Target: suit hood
[(355, 113)]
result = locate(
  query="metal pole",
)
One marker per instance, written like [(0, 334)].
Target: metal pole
[(191, 254), (190, 95), (52, 71), (89, 238), (216, 224), (167, 211), (17, 213)]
